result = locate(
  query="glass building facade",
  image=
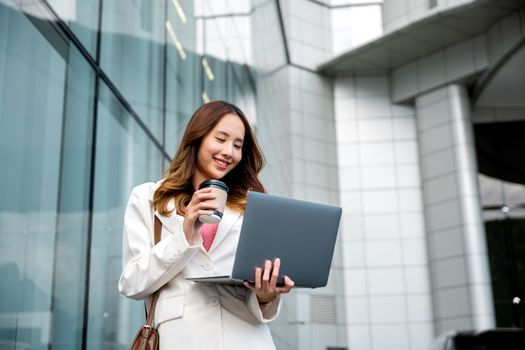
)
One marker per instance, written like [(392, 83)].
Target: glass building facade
[(94, 97)]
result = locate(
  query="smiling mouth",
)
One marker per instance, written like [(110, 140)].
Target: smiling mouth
[(221, 163)]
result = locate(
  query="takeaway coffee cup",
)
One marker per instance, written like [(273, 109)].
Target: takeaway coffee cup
[(221, 191)]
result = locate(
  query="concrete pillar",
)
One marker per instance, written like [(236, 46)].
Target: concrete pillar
[(460, 274)]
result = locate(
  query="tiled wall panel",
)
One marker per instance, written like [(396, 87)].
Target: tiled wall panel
[(398, 13), (384, 251), (297, 132), (445, 66)]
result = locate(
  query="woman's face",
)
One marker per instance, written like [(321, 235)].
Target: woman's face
[(220, 150)]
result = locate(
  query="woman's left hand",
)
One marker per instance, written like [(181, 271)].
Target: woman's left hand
[(265, 286)]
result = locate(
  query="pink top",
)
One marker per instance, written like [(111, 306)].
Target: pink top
[(208, 232)]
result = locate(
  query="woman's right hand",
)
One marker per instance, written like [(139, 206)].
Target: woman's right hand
[(198, 206)]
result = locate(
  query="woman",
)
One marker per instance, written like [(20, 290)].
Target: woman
[(218, 144)]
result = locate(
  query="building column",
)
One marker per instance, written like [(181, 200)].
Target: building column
[(296, 129), (460, 274)]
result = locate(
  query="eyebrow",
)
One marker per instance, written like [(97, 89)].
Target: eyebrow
[(228, 135)]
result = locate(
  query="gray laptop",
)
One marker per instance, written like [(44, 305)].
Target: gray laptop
[(302, 234)]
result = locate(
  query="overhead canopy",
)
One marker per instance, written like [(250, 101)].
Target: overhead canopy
[(436, 30)]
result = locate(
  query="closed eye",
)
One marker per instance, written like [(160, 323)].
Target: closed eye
[(220, 140)]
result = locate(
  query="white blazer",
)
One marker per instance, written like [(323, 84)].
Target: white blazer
[(190, 315)]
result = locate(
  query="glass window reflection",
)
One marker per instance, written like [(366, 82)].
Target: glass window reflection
[(183, 74), (125, 157), (43, 207), (82, 18), (132, 54), (28, 179)]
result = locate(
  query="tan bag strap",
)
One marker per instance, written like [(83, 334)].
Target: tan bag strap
[(155, 296)]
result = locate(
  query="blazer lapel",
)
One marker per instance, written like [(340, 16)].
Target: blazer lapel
[(228, 220)]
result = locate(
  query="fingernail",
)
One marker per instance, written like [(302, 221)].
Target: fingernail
[(277, 260)]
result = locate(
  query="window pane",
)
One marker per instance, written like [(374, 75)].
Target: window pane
[(132, 54), (125, 157), (30, 138), (73, 219), (183, 68), (82, 18), (45, 187)]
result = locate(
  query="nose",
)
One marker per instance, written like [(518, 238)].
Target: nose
[(227, 150)]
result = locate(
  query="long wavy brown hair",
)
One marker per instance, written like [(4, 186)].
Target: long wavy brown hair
[(177, 182)]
